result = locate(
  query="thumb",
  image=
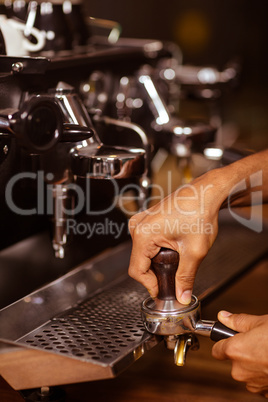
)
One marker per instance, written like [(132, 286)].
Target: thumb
[(185, 277), (239, 322)]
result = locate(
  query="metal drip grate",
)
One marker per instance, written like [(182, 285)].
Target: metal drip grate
[(100, 329)]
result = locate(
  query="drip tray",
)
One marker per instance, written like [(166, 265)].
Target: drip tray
[(84, 326), (102, 329), (87, 326)]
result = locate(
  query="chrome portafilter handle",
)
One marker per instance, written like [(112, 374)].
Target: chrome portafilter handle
[(178, 323)]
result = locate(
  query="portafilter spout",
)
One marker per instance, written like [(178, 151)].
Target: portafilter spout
[(178, 323)]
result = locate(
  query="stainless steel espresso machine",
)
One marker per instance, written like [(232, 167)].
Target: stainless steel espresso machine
[(84, 124)]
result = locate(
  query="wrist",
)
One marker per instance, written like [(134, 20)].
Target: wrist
[(222, 181)]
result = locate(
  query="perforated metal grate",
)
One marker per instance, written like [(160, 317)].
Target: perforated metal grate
[(101, 329)]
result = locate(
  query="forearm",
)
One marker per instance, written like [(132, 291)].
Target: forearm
[(235, 183)]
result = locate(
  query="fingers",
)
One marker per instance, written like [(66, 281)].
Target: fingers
[(139, 267), (192, 252), (239, 322), (149, 233), (229, 349), (247, 349), (219, 350), (261, 389), (226, 349), (242, 371), (235, 347), (185, 279), (147, 244), (255, 390), (144, 248)]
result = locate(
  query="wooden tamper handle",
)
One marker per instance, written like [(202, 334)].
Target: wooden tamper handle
[(165, 265)]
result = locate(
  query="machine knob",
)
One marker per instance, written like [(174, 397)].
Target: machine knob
[(165, 265), (38, 124)]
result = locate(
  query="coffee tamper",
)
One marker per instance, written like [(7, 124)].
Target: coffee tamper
[(178, 323)]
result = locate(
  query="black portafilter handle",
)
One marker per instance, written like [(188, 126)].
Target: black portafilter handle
[(220, 331), (165, 265)]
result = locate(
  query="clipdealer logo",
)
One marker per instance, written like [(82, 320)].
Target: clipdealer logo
[(47, 202), (46, 205), (255, 222)]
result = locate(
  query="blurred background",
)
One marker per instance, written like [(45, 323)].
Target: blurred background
[(211, 32)]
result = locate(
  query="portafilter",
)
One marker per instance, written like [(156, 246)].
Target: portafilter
[(178, 323)]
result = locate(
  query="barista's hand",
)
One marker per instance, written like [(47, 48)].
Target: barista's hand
[(247, 350), (185, 221)]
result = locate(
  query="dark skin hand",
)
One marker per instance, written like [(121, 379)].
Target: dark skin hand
[(175, 223), (156, 228), (187, 220), (248, 350)]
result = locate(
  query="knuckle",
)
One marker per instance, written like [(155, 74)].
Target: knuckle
[(132, 272), (237, 373), (230, 350), (241, 320), (132, 223), (253, 389), (135, 220), (185, 279), (198, 251)]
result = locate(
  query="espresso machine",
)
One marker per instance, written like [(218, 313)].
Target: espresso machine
[(84, 123)]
